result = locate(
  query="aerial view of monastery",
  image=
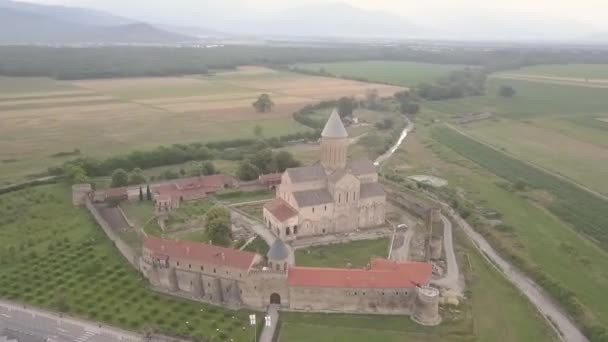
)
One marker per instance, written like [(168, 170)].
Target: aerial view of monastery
[(303, 171)]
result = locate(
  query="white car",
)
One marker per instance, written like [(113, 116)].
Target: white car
[(402, 226)]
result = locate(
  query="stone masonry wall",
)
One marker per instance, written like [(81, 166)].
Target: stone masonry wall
[(124, 249)]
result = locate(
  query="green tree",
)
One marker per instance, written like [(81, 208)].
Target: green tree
[(402, 96), (137, 177), (120, 177), (208, 168), (346, 105), (284, 160), (506, 91), (263, 160), (75, 174), (263, 104), (247, 171), (148, 193), (141, 194), (169, 174), (409, 107), (196, 168), (218, 226)]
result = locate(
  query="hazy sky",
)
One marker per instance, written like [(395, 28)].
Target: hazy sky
[(589, 12)]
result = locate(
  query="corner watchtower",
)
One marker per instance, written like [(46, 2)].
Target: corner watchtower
[(334, 143)]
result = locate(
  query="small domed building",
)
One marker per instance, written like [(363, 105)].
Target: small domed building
[(278, 256)]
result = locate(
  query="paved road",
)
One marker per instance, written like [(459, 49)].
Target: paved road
[(46, 324), (451, 278), (268, 332), (541, 300)]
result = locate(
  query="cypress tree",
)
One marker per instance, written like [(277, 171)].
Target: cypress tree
[(148, 193), (141, 194)]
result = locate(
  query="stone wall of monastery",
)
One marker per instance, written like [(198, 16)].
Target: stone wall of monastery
[(386, 301)]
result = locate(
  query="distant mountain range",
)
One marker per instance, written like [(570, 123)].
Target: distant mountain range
[(329, 20), (29, 23), (26, 23)]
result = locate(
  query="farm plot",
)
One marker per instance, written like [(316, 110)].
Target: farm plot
[(532, 236), (109, 116), (573, 71), (405, 74), (531, 100), (54, 256), (567, 153), (585, 211)]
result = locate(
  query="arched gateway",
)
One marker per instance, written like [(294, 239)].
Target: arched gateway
[(275, 298)]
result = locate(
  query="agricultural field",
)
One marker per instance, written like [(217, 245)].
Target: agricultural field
[(536, 237), (579, 71), (54, 256), (576, 152), (494, 311), (355, 254), (43, 117), (532, 100), (407, 74)]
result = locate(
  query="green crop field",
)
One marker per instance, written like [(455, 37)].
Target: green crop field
[(356, 253), (577, 152), (591, 71), (536, 238), (531, 100), (494, 311), (586, 212), (54, 256), (405, 74)]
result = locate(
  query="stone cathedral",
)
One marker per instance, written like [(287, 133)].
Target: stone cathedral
[(334, 195)]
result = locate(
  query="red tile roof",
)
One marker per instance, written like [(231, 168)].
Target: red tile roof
[(280, 209), (200, 252), (405, 275), (418, 272), (271, 178)]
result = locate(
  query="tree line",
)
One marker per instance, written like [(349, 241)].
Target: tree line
[(108, 62), (79, 169)]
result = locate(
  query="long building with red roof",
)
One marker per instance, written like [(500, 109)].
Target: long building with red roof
[(240, 278)]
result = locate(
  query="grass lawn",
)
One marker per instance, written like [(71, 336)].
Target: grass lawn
[(494, 311), (356, 253), (54, 256), (254, 210), (139, 213), (189, 213), (238, 196), (591, 71), (538, 237), (394, 72)]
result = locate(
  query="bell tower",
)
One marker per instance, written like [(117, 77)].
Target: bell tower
[(334, 143)]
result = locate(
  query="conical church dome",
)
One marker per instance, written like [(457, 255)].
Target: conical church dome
[(334, 127)]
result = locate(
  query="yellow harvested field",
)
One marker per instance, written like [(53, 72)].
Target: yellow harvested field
[(42, 94), (54, 100), (44, 117), (238, 103)]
